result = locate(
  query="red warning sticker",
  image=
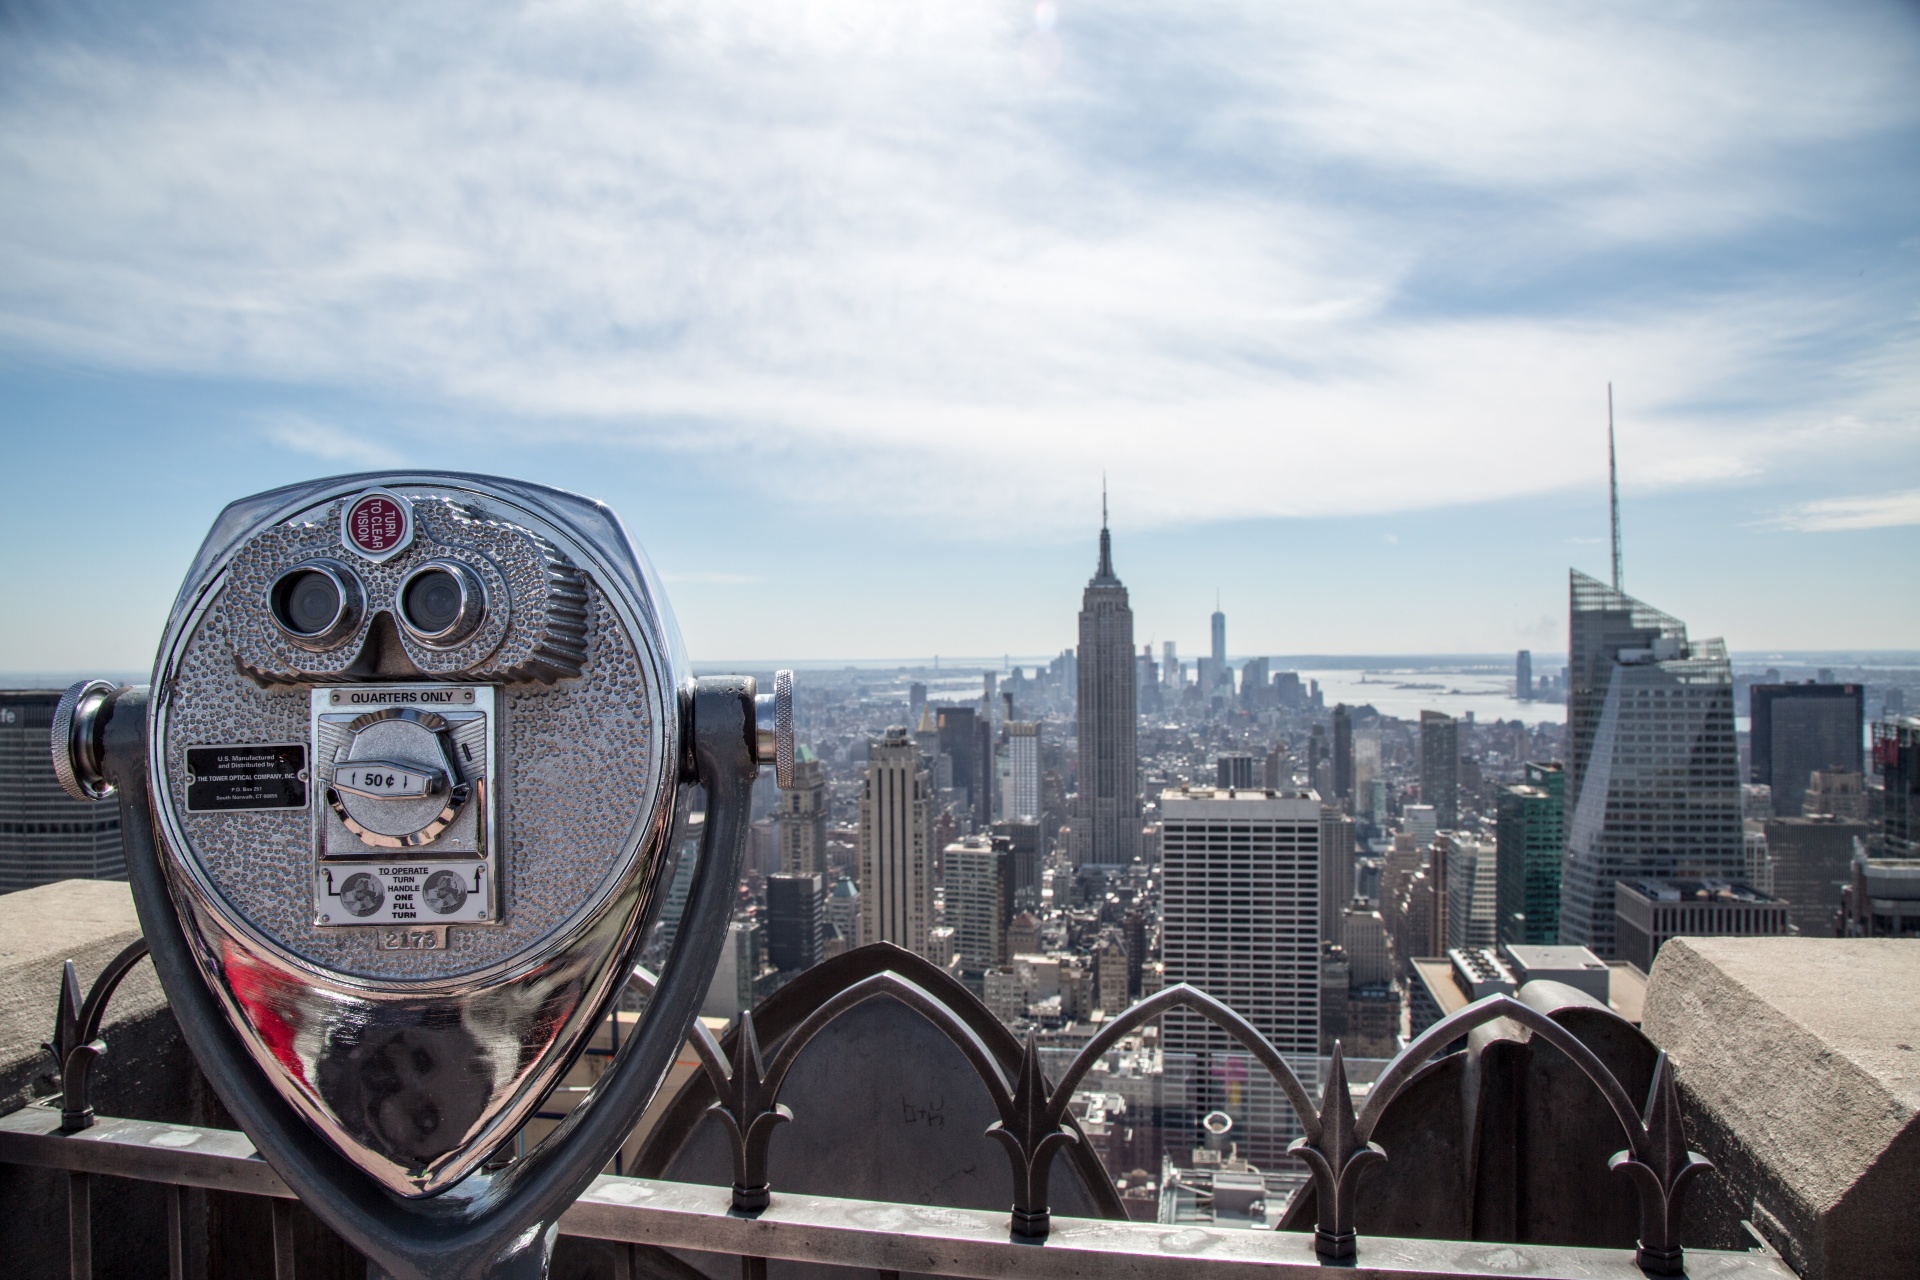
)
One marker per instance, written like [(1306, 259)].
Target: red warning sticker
[(377, 524)]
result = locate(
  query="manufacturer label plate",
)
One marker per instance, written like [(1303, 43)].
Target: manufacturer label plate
[(246, 775)]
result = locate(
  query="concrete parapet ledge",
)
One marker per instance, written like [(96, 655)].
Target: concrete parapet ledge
[(147, 1073), (86, 921), (1799, 1066)]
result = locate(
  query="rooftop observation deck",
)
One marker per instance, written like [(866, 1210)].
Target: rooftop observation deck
[(1792, 1064)]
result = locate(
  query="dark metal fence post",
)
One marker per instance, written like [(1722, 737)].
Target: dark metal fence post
[(80, 1226), (176, 1232), (76, 1043), (282, 1239)]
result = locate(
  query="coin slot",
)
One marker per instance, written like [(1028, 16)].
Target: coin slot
[(382, 788)]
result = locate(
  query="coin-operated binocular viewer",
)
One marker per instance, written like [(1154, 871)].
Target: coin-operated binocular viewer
[(397, 807)]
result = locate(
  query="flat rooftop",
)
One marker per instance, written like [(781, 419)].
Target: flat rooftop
[(1542, 959), (1239, 804), (1626, 986), (1697, 891)]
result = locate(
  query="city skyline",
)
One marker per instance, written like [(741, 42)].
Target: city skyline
[(92, 630), (1501, 425), (1338, 295), (1063, 841)]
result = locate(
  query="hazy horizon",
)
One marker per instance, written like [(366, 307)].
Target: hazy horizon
[(1544, 662)]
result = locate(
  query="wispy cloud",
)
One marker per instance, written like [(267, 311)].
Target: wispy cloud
[(1396, 249), (326, 442), (1832, 515)]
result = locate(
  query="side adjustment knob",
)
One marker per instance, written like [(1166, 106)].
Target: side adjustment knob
[(773, 728), (75, 739)]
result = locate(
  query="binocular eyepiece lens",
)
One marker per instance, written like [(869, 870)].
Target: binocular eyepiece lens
[(442, 603), (312, 602), (316, 604), (433, 601)]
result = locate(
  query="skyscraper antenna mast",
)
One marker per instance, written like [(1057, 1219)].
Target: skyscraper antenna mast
[(1106, 541), (1613, 489)]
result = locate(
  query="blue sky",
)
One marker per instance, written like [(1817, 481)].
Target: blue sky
[(847, 307)]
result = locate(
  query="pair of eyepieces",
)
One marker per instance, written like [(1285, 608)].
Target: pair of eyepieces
[(319, 603)]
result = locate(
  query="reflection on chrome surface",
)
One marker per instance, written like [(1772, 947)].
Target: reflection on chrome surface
[(413, 937)]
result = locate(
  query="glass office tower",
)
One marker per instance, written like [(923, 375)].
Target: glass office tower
[(1803, 729), (45, 834), (1241, 921), (1653, 778), (1532, 826)]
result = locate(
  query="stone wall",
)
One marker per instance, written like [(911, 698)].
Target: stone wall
[(147, 1073), (1799, 1068), (86, 921)]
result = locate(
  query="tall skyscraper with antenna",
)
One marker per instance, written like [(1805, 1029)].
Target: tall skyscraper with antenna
[(1211, 671), (1653, 771), (1107, 825)]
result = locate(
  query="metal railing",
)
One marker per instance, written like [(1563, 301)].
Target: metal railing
[(1336, 1146), (652, 1215), (749, 1221)]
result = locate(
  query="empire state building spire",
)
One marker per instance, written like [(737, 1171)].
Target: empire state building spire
[(1107, 815), (1105, 572)]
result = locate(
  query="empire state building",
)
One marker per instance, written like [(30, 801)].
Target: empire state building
[(1108, 813)]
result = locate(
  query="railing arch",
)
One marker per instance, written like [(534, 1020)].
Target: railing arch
[(1337, 1145), (1033, 1124)]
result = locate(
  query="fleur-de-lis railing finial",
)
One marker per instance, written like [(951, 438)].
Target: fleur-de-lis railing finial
[(748, 1108), (1031, 1138), (76, 1043), (73, 1054), (1661, 1167), (1337, 1158)]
